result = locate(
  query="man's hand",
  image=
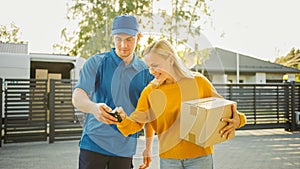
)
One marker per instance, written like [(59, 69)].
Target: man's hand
[(100, 112), (82, 101), (147, 154), (233, 123)]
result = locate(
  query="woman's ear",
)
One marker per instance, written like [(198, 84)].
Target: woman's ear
[(170, 60)]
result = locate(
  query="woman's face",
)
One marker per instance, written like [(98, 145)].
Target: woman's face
[(160, 68)]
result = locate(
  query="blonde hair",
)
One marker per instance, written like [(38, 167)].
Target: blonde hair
[(164, 49)]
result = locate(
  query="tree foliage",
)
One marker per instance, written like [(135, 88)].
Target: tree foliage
[(10, 34), (292, 59), (95, 18), (94, 23)]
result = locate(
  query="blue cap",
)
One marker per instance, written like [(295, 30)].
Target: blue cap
[(125, 24)]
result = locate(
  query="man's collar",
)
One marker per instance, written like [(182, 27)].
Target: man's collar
[(134, 63)]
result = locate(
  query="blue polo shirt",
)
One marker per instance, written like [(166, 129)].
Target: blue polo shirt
[(106, 79)]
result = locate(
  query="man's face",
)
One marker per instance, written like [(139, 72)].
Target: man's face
[(125, 44)]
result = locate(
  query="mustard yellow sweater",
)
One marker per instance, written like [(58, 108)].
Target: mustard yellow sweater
[(160, 107)]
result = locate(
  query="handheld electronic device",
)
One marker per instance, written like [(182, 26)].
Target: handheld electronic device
[(115, 114)]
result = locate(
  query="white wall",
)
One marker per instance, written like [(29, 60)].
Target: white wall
[(219, 79), (273, 76), (243, 78), (260, 78), (14, 66), (292, 77)]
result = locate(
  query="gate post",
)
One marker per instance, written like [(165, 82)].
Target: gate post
[(293, 125), (51, 111), (1, 108), (286, 86)]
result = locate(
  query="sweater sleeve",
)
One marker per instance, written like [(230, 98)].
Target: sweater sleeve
[(128, 126), (135, 122), (243, 119)]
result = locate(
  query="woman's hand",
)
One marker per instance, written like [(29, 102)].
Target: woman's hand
[(121, 113), (232, 123), (147, 154)]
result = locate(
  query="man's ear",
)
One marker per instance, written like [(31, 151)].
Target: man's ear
[(138, 36)]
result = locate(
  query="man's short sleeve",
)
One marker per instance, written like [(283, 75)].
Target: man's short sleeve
[(88, 76)]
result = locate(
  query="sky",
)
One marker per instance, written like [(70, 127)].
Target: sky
[(263, 29)]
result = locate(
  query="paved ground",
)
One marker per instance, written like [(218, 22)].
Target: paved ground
[(251, 149)]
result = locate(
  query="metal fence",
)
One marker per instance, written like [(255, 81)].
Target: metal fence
[(65, 121), (1, 109), (265, 105), (25, 112), (33, 112)]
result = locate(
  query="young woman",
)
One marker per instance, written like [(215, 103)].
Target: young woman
[(159, 106)]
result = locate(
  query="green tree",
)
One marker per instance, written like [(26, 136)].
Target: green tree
[(292, 59), (95, 18), (10, 34), (94, 23)]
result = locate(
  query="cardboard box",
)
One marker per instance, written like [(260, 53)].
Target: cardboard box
[(200, 120), (57, 76), (41, 73)]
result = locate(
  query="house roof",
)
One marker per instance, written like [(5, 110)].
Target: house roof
[(221, 60)]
